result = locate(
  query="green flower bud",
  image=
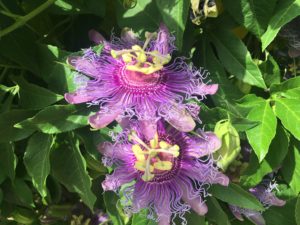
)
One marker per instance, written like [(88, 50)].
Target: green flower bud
[(231, 147)]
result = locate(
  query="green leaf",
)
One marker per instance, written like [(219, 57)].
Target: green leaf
[(285, 11), (139, 18), (174, 14), (297, 211), (18, 193), (215, 212), (96, 7), (227, 92), (235, 195), (260, 137), (7, 121), (69, 167), (37, 161), (111, 200), (252, 14), (19, 47), (1, 196), (288, 111), (235, 57), (141, 218), (291, 167), (288, 89), (54, 70), (8, 160), (281, 215), (194, 219), (57, 119), (35, 97), (270, 70), (276, 154)]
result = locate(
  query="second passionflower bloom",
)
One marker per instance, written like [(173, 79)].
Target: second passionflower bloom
[(168, 174), (130, 78)]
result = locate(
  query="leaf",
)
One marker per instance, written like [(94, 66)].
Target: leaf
[(174, 14), (111, 200), (57, 119), (235, 195), (297, 211), (227, 91), (270, 70), (35, 97), (288, 111), (288, 89), (96, 7), (69, 168), (139, 18), (255, 172), (252, 14), (37, 161), (291, 167), (260, 137), (53, 69), (281, 215), (285, 11), (7, 121), (215, 213), (235, 57), (18, 193), (8, 160), (141, 218), (19, 47)]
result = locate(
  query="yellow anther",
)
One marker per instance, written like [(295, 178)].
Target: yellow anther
[(148, 177), (141, 166), (138, 152), (164, 144), (114, 54), (127, 58), (163, 165), (154, 141)]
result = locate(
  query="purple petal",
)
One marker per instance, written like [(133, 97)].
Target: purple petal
[(204, 89), (76, 97), (179, 118), (96, 37), (148, 128), (204, 144), (257, 218), (84, 65), (120, 176), (127, 35), (102, 119), (163, 43)]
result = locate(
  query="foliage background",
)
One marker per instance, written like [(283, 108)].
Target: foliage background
[(50, 170)]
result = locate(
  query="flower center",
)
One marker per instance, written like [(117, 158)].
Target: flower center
[(154, 158), (139, 60), (135, 80)]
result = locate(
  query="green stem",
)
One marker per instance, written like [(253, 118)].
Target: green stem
[(26, 18)]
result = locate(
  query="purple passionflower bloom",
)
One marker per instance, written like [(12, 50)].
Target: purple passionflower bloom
[(265, 196), (168, 174), (130, 78)]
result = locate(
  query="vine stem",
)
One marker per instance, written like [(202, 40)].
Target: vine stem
[(24, 19)]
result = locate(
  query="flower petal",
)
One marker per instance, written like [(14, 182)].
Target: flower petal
[(148, 128), (257, 218), (120, 176), (178, 117), (163, 43), (128, 36), (102, 119), (84, 65), (78, 97), (204, 144), (96, 37)]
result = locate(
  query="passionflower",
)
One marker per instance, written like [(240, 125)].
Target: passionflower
[(168, 174), (264, 193), (130, 78)]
